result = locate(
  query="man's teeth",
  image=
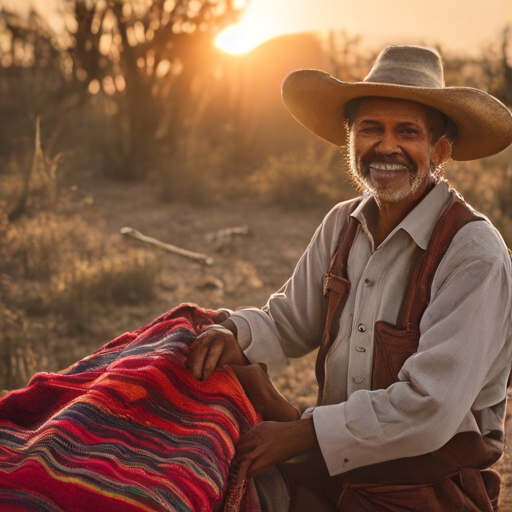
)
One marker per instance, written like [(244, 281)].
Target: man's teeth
[(389, 167)]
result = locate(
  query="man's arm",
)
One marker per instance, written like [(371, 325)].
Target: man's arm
[(292, 322), (462, 362)]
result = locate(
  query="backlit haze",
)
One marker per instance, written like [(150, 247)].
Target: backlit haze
[(460, 25)]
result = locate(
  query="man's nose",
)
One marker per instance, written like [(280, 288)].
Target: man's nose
[(388, 144)]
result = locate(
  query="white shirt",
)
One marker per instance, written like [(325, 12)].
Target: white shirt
[(454, 383)]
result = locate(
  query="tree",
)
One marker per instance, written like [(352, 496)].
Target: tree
[(147, 55), (143, 62)]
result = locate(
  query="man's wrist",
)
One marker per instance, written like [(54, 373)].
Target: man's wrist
[(302, 437)]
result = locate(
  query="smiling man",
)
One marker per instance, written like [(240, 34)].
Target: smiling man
[(407, 293)]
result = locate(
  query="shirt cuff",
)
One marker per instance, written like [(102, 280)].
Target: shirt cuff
[(341, 450), (243, 334)]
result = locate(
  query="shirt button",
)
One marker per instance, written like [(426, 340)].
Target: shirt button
[(367, 282), (358, 380), (361, 328), (360, 349)]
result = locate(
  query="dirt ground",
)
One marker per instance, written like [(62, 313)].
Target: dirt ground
[(246, 269)]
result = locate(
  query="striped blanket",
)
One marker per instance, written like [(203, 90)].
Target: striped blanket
[(127, 429)]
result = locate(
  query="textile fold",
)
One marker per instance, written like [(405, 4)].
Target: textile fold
[(128, 429)]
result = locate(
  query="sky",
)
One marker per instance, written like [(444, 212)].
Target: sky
[(459, 25)]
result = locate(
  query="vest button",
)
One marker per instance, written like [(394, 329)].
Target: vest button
[(361, 328), (360, 349), (358, 380), (367, 282)]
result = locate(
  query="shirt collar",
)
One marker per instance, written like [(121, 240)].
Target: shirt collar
[(421, 221)]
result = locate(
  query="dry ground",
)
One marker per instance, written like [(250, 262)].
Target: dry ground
[(246, 269)]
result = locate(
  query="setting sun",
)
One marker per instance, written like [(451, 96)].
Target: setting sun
[(239, 39), (262, 20), (464, 26)]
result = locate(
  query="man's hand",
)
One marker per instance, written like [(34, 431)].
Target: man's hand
[(211, 349), (218, 315), (270, 443)]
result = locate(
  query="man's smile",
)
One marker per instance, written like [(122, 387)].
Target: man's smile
[(387, 171), (388, 167)]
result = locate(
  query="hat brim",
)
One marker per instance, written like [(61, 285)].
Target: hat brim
[(317, 100)]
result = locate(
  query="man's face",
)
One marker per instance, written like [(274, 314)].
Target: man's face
[(390, 149)]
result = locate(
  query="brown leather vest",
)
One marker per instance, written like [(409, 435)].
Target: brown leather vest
[(393, 344)]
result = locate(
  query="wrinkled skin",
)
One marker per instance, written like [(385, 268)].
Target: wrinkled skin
[(401, 134)]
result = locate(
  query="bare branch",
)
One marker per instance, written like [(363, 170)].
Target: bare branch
[(207, 260)]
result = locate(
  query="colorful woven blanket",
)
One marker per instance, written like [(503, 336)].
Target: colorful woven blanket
[(127, 429)]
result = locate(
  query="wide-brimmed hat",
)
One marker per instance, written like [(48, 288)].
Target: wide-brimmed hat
[(317, 100)]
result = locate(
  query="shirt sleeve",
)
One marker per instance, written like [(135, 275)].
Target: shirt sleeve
[(292, 322), (464, 351)]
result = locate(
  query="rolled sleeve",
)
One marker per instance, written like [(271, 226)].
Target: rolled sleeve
[(243, 330), (292, 322)]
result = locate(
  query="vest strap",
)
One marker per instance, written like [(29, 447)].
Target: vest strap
[(336, 289)]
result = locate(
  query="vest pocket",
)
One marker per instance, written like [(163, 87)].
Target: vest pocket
[(392, 347)]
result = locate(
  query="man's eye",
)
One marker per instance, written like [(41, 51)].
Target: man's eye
[(409, 131)]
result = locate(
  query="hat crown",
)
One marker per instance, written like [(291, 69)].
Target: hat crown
[(408, 65)]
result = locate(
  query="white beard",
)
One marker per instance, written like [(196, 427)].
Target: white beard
[(366, 184)]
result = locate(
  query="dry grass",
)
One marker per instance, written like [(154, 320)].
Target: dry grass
[(301, 180), (56, 274), (487, 185)]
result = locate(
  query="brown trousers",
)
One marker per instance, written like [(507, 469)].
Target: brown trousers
[(430, 486)]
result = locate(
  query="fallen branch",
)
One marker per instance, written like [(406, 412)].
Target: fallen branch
[(223, 238), (167, 247), (227, 233)]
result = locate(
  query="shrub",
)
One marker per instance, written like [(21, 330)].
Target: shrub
[(55, 275), (487, 185), (121, 278), (302, 180)]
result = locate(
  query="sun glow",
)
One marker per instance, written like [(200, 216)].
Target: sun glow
[(262, 20), (464, 26), (243, 37)]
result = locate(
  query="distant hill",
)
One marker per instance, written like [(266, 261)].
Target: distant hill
[(270, 127)]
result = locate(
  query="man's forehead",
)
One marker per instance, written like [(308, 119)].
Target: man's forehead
[(391, 107)]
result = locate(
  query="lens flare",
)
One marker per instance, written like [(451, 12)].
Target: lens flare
[(242, 38)]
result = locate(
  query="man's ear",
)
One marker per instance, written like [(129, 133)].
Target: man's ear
[(442, 152)]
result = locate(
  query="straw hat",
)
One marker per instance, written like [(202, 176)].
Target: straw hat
[(317, 100)]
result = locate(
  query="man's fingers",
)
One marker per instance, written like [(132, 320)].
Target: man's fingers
[(264, 367), (256, 468), (212, 359), (219, 315), (198, 353), (247, 443), (243, 466), (253, 463), (247, 450)]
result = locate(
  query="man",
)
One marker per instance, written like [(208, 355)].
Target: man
[(407, 292)]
